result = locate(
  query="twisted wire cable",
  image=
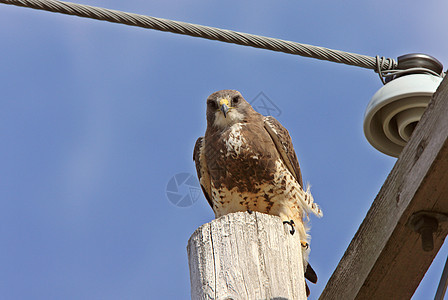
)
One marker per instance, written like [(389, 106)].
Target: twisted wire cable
[(207, 32)]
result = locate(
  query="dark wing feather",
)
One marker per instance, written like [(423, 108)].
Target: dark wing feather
[(310, 274), (283, 142), (202, 170)]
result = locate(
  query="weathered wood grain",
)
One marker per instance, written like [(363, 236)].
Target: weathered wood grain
[(385, 259), (245, 256)]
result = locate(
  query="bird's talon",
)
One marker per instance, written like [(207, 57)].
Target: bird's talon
[(249, 211), (305, 244), (290, 223)]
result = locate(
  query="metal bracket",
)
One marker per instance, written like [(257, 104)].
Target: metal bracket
[(426, 223)]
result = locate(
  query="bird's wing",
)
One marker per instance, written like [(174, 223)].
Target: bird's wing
[(284, 146), (202, 169)]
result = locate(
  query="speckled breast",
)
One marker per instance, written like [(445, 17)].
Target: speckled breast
[(241, 156)]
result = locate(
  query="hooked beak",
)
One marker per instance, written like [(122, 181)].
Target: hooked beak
[(224, 109), (224, 106)]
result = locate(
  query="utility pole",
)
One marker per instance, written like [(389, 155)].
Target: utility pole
[(246, 256)]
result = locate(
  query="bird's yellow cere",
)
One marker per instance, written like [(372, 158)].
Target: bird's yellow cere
[(224, 101)]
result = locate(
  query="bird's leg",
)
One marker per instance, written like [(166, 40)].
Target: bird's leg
[(290, 223), (249, 211), (305, 245)]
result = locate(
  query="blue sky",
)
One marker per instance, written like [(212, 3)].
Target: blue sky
[(97, 118)]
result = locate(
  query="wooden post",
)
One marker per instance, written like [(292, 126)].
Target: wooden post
[(246, 256), (385, 259)]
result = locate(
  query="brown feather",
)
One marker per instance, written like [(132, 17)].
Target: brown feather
[(283, 143), (201, 169)]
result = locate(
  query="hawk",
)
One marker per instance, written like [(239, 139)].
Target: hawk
[(246, 162)]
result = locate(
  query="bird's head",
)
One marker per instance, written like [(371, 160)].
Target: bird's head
[(227, 107)]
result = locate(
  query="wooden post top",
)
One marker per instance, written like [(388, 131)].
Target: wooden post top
[(246, 256)]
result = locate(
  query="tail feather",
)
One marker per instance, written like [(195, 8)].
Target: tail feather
[(310, 274)]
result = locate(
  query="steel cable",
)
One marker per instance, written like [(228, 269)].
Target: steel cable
[(207, 32)]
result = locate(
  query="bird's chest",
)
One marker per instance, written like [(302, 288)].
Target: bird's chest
[(236, 143), (242, 142), (241, 156)]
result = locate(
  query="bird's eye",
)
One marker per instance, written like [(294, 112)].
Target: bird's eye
[(212, 104), (236, 99)]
